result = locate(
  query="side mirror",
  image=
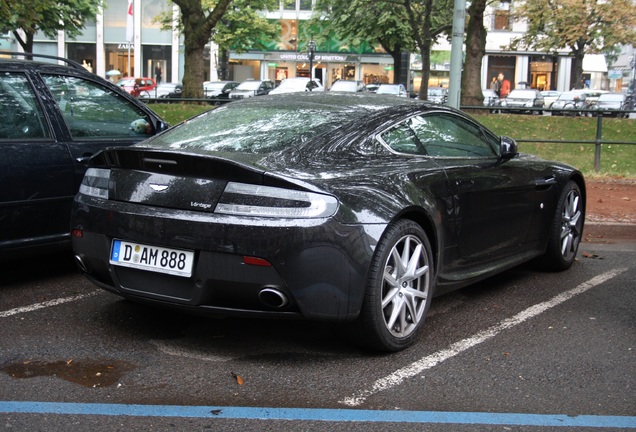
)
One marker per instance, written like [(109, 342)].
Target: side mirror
[(508, 148)]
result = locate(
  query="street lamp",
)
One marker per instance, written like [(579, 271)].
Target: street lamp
[(311, 50), (632, 65), (632, 84)]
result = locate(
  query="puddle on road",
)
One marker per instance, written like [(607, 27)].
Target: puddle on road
[(87, 373)]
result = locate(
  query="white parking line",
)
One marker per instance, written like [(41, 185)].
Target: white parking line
[(415, 368), (46, 304)]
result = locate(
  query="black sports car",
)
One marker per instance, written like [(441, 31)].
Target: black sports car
[(341, 207)]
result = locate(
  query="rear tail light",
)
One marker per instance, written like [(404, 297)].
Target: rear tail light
[(266, 201), (95, 183)]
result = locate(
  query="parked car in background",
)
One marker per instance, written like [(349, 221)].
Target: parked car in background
[(570, 103), (138, 86), (348, 86), (530, 100), (393, 89), (373, 87), (613, 104), (438, 95), (353, 208), (549, 97), (164, 91), (591, 96), (251, 88), (218, 89), (53, 119), (298, 84)]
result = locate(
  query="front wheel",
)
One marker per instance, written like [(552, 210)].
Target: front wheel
[(566, 229), (399, 289)]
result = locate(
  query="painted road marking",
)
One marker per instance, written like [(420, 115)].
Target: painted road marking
[(416, 368), (319, 414), (36, 306)]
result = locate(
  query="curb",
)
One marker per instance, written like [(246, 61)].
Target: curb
[(594, 230)]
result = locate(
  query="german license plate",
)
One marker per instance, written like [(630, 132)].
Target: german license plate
[(152, 258)]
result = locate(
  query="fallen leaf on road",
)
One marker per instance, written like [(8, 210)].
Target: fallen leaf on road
[(589, 255), (238, 378)]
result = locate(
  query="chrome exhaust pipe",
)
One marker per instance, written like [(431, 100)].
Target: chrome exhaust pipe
[(80, 263), (273, 297)]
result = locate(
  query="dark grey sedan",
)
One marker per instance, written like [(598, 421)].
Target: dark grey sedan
[(53, 119), (352, 208)]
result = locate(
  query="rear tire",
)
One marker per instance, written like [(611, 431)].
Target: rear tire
[(566, 230), (399, 289)]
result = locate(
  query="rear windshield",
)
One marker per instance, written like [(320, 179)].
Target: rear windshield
[(256, 128)]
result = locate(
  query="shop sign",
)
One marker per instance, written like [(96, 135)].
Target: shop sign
[(125, 46), (304, 57), (614, 74)]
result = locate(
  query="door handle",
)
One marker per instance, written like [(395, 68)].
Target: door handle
[(547, 181)]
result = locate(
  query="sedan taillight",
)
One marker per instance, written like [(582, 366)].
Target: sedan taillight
[(266, 201), (95, 183)]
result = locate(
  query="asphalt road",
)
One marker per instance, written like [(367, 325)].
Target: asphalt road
[(524, 351)]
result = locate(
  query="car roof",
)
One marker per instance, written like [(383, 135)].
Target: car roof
[(27, 59)]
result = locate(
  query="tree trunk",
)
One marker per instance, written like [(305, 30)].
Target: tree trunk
[(475, 51), (577, 67), (425, 52), (197, 31), (26, 44)]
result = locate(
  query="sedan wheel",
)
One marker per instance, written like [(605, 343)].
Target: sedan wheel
[(399, 290), (566, 230)]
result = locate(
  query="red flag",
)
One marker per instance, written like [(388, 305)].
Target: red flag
[(129, 22)]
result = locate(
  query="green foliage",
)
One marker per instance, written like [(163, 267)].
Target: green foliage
[(356, 21), (244, 27), (48, 16)]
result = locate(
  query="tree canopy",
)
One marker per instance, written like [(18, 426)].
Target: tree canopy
[(47, 16), (397, 25), (582, 26), (234, 24)]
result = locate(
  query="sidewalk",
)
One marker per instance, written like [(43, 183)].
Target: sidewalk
[(611, 210)]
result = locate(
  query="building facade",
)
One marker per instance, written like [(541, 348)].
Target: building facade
[(152, 52)]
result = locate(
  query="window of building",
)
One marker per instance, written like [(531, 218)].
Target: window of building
[(502, 19)]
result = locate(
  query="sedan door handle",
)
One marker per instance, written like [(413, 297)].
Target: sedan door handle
[(83, 159), (545, 181)]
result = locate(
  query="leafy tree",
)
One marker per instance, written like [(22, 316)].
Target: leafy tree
[(243, 28), (232, 24), (47, 16), (197, 19), (583, 26), (396, 25), (429, 19), (359, 21)]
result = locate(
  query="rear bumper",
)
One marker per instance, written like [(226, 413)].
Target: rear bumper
[(319, 266)]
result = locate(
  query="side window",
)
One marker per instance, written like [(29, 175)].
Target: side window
[(21, 115), (447, 135), (401, 139), (95, 112)]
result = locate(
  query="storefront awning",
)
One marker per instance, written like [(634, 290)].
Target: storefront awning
[(594, 63)]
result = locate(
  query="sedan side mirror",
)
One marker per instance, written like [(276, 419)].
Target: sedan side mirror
[(508, 148)]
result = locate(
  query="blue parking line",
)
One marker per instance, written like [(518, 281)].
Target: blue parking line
[(318, 414)]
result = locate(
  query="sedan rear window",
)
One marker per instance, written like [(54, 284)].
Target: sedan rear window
[(254, 128)]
